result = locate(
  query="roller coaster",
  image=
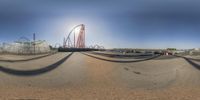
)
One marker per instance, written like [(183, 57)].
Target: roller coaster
[(79, 44)]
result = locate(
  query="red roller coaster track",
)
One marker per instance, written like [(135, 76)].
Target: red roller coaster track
[(80, 43)]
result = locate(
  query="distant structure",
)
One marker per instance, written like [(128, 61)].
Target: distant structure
[(1, 48), (57, 45), (80, 43), (96, 47), (70, 42), (195, 51), (24, 46)]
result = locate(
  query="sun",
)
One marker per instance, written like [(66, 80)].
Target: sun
[(77, 30)]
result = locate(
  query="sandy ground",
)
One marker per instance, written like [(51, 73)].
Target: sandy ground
[(81, 77)]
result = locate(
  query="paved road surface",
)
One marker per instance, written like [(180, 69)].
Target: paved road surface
[(77, 76)]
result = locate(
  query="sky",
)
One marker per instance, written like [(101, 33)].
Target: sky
[(109, 23)]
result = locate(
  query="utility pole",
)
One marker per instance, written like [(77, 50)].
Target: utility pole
[(34, 43)]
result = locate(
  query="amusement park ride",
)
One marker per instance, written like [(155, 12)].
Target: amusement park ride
[(79, 41)]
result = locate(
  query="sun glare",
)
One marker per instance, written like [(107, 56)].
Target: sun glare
[(77, 30)]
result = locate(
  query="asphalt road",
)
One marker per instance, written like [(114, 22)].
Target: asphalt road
[(78, 76)]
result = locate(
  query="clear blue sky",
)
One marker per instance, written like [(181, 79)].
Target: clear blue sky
[(111, 23)]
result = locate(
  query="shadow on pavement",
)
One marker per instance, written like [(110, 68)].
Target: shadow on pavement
[(36, 71), (197, 66), (194, 59), (120, 61), (35, 58), (189, 60), (164, 57), (122, 56)]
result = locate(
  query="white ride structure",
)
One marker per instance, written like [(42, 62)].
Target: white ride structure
[(25, 46)]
